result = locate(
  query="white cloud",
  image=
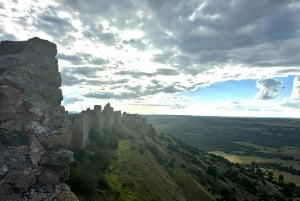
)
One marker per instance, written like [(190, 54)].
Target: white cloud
[(296, 88), (268, 88)]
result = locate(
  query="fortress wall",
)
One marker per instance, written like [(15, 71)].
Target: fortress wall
[(108, 118), (102, 120), (80, 131), (96, 118), (133, 120), (117, 118)]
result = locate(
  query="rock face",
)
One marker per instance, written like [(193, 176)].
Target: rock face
[(33, 128)]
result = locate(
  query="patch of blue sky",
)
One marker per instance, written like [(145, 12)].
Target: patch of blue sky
[(236, 90), (287, 85), (225, 91)]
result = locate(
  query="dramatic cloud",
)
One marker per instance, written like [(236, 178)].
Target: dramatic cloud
[(268, 88), (132, 50)]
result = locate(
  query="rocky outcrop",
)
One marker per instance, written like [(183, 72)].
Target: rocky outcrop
[(33, 125)]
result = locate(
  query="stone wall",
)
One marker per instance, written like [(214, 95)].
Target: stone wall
[(134, 120), (33, 126), (102, 121)]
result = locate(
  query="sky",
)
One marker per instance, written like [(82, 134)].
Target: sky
[(196, 57)]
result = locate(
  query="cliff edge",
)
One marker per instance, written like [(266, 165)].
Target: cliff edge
[(34, 159)]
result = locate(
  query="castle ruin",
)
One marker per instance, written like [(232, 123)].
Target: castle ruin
[(101, 120)]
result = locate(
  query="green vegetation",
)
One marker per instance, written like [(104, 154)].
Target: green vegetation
[(220, 133), (87, 176), (114, 173), (140, 164)]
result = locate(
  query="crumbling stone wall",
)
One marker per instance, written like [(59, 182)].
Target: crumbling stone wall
[(80, 131), (96, 118), (108, 117), (33, 129), (102, 121), (117, 119), (134, 121)]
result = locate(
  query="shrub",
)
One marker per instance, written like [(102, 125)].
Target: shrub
[(211, 170), (82, 182)]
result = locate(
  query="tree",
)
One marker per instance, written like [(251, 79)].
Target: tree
[(211, 170), (281, 179), (270, 176)]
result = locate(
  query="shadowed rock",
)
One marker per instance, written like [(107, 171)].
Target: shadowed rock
[(33, 127)]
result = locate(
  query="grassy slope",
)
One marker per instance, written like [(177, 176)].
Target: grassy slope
[(193, 191), (138, 176), (151, 167)]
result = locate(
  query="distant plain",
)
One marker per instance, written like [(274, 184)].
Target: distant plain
[(271, 143)]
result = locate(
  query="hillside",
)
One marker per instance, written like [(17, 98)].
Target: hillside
[(141, 164)]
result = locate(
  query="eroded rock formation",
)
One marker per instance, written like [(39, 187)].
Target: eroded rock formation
[(33, 129)]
